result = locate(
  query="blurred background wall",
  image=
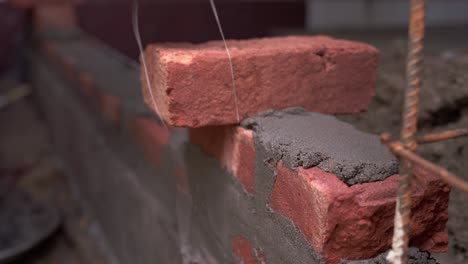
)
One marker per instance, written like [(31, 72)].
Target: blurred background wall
[(371, 14), (10, 25), (192, 20)]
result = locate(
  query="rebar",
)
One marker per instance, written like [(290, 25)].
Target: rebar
[(401, 152), (436, 137), (398, 254)]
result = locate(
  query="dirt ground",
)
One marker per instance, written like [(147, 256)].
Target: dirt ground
[(27, 164)]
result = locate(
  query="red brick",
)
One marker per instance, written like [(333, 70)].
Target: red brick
[(357, 222), (242, 248), (152, 137), (233, 147), (192, 84), (109, 105)]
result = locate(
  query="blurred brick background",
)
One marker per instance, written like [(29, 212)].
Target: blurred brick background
[(10, 27)]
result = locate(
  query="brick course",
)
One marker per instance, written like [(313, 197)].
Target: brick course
[(315, 216), (233, 147), (192, 84)]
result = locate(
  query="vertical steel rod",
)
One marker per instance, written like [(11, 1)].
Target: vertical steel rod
[(398, 255)]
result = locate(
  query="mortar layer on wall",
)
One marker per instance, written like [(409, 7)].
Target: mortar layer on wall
[(312, 139)]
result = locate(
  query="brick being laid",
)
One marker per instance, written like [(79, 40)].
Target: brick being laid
[(338, 186), (331, 183), (192, 84)]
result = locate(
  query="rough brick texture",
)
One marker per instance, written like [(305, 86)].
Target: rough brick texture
[(233, 147), (242, 248), (357, 222), (192, 84)]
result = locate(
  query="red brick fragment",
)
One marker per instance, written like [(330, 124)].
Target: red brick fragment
[(242, 248), (233, 147), (357, 222), (192, 84), (152, 136)]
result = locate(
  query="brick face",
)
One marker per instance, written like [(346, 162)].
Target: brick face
[(233, 147), (243, 249), (357, 222), (193, 87)]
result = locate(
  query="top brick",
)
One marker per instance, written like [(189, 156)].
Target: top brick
[(192, 84)]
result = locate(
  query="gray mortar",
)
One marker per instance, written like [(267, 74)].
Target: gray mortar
[(278, 230), (221, 209), (312, 139), (121, 196), (415, 256), (113, 73)]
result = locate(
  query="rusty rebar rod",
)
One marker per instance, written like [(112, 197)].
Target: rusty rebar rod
[(398, 254), (399, 150), (436, 137)]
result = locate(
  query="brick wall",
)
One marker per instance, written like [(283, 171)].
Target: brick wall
[(285, 186)]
